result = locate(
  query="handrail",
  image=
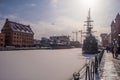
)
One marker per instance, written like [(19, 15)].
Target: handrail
[(88, 70)]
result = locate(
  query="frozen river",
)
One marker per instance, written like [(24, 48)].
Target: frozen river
[(40, 64)]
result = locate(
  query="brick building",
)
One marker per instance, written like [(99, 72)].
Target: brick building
[(105, 41), (115, 30), (17, 34), (2, 40)]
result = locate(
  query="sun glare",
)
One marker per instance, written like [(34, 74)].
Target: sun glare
[(89, 3)]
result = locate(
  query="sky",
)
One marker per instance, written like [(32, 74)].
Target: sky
[(59, 17)]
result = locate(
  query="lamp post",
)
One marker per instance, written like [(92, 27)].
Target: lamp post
[(76, 33), (73, 36), (81, 32), (118, 35), (118, 39)]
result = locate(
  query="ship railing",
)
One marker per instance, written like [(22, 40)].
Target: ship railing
[(91, 69)]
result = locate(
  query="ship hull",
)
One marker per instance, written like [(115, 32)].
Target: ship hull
[(90, 45)]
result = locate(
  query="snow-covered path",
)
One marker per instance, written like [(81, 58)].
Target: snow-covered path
[(40, 64), (109, 71)]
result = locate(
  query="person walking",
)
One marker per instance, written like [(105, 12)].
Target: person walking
[(118, 51), (112, 51), (115, 52), (107, 49)]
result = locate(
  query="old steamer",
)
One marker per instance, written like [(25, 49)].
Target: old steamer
[(90, 44)]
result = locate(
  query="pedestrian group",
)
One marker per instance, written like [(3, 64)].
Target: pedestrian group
[(114, 50)]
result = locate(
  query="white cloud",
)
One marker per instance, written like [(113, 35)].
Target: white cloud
[(54, 3), (61, 25), (31, 5), (11, 16)]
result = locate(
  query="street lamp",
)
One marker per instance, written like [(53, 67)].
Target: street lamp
[(81, 32), (118, 39), (119, 35)]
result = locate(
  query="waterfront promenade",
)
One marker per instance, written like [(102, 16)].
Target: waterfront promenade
[(111, 69)]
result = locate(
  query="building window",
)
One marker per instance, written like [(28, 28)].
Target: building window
[(1, 39), (14, 33), (1, 45)]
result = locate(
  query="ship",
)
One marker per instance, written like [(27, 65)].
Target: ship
[(90, 43)]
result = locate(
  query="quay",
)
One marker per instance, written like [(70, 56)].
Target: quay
[(102, 67), (111, 70)]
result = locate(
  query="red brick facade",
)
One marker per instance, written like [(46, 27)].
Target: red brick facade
[(17, 34), (115, 30), (2, 40)]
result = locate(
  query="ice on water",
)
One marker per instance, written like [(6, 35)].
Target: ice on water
[(40, 64)]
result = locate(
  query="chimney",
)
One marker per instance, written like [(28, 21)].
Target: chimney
[(6, 19)]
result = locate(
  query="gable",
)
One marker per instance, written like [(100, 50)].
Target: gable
[(6, 27)]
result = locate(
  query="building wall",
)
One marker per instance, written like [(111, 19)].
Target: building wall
[(2, 40), (105, 41), (20, 39), (7, 31), (115, 31), (27, 39), (109, 40), (17, 38)]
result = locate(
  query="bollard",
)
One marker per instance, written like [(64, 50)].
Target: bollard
[(96, 64), (87, 77), (92, 70), (76, 76)]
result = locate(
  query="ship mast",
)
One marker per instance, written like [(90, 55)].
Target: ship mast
[(88, 24)]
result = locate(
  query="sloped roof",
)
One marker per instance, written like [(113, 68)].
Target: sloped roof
[(117, 17), (20, 27), (113, 23)]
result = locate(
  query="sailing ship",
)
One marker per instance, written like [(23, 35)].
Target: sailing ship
[(90, 44)]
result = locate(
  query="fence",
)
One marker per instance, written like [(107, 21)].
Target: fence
[(90, 70)]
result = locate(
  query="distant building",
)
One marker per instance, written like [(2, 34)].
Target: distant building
[(105, 41), (17, 34), (115, 30), (45, 42), (75, 44), (2, 40), (60, 39), (109, 40), (36, 43)]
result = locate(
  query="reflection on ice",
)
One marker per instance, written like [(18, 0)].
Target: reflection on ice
[(88, 55)]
